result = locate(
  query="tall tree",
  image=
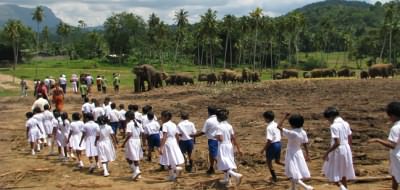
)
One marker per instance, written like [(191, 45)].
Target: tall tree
[(45, 36), (82, 24), (181, 19), (208, 27), (13, 29), (228, 25), (63, 30), (38, 16), (256, 15)]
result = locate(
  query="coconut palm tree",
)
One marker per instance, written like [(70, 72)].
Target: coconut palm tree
[(228, 27), (38, 16), (208, 27), (256, 15), (181, 19), (45, 36), (13, 29), (63, 30), (82, 24)]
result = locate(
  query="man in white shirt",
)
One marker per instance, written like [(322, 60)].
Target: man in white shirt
[(114, 117), (63, 83), (86, 108), (209, 129), (40, 102), (107, 106), (273, 145), (186, 129)]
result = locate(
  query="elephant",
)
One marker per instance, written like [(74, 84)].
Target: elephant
[(179, 79), (171, 80), (212, 78), (255, 77), (290, 73), (364, 75), (202, 78), (306, 75), (383, 70), (227, 75), (239, 78), (318, 73), (344, 73), (246, 75), (277, 76), (147, 73)]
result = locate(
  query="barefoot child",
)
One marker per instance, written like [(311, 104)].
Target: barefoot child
[(338, 166), (295, 163), (171, 155), (75, 136), (186, 130), (133, 151), (393, 142), (106, 143), (226, 159), (89, 135), (32, 131), (273, 145)]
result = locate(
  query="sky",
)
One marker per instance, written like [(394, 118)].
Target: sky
[(95, 12)]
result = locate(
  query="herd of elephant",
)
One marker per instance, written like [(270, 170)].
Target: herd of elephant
[(154, 78), (377, 70)]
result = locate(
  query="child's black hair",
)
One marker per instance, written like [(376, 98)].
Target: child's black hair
[(150, 115), (184, 115), (93, 100), (130, 115), (135, 107), (37, 110), (146, 109), (89, 116), (29, 115), (86, 99), (222, 114), (56, 114), (269, 115), (393, 109), (64, 116), (166, 114), (107, 99), (76, 116), (331, 112), (296, 120), (46, 107), (212, 110), (130, 107), (96, 103), (102, 120), (113, 105), (121, 106)]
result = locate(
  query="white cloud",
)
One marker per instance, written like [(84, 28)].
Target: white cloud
[(95, 12)]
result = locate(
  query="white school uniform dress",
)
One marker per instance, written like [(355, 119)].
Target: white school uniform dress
[(394, 136), (40, 122), (63, 132), (225, 157), (87, 108), (172, 155), (76, 135), (295, 163), (133, 148), (105, 146), (90, 129), (48, 122), (33, 133), (97, 112), (340, 161), (186, 128)]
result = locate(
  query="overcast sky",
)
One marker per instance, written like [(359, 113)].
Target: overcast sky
[(94, 12)]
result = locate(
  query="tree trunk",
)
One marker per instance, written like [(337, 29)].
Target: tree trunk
[(390, 46), (255, 48), (176, 54), (297, 50), (272, 58), (15, 48), (226, 49), (383, 48), (230, 46)]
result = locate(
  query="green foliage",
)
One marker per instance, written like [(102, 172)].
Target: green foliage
[(313, 63)]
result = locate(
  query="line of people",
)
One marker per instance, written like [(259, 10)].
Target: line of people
[(96, 134)]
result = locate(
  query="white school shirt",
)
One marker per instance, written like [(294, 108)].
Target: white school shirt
[(77, 127), (394, 136), (65, 127), (63, 80), (272, 132), (31, 124), (107, 109), (97, 112), (171, 129), (122, 116), (104, 132), (340, 129), (210, 127), (135, 131), (47, 117), (226, 131), (90, 129), (114, 116), (186, 128), (138, 116), (151, 128), (87, 108)]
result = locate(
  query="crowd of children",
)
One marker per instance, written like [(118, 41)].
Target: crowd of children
[(95, 134)]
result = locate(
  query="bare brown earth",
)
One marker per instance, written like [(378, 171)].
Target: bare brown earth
[(361, 102)]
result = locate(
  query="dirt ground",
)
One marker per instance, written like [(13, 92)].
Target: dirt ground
[(361, 102)]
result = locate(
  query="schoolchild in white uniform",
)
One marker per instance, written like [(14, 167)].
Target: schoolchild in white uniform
[(133, 144), (62, 136), (114, 117), (89, 134), (32, 131), (75, 136), (209, 128), (226, 158), (273, 146), (38, 115), (107, 106), (98, 111), (55, 122), (48, 125), (106, 143), (393, 142), (186, 129), (86, 107), (338, 166), (152, 133), (296, 167), (122, 119), (171, 155)]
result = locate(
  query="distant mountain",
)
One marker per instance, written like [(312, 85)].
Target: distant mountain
[(25, 15)]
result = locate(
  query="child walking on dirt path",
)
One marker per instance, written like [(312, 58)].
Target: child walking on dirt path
[(122, 119), (89, 133), (296, 167), (393, 142), (64, 128), (273, 145), (226, 142), (209, 128), (106, 143), (83, 88), (171, 155), (186, 130), (152, 133), (32, 131), (75, 136), (116, 82), (133, 150), (48, 126), (338, 166)]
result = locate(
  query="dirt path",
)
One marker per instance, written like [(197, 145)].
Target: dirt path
[(360, 102)]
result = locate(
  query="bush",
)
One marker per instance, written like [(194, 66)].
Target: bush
[(313, 63)]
